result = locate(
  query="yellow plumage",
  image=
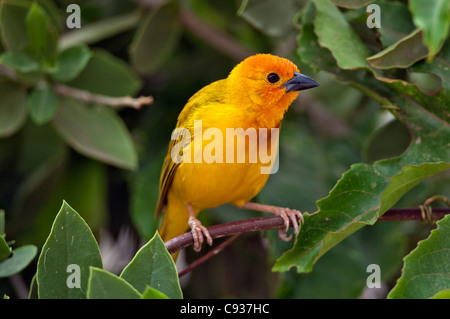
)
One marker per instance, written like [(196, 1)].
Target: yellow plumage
[(245, 99)]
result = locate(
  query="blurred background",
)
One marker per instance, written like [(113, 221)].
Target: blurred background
[(105, 162)]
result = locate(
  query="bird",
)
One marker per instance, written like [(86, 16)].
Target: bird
[(254, 98)]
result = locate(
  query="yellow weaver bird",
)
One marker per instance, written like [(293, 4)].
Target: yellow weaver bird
[(255, 95)]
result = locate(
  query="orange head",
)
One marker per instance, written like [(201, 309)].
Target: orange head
[(267, 83)]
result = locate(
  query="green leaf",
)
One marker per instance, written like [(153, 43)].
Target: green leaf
[(320, 58), (12, 23), (426, 269), (33, 293), (401, 54), (97, 132), (2, 222), (5, 250), (19, 61), (434, 19), (21, 258), (42, 104), (152, 293), (336, 34), (13, 108), (268, 16), (37, 29), (367, 191), (351, 4), (436, 102), (101, 30), (153, 266), (71, 62), (107, 75), (388, 141), (70, 242), (427, 83), (444, 294), (105, 285), (342, 272), (156, 38), (396, 22), (42, 35)]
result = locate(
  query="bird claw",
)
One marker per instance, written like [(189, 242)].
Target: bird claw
[(289, 215), (198, 233)]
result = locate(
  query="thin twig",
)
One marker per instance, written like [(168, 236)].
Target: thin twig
[(228, 229), (208, 33), (215, 37), (275, 222), (19, 285), (207, 256), (403, 214), (89, 97)]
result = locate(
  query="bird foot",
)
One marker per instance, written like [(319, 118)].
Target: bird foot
[(287, 214), (198, 233)]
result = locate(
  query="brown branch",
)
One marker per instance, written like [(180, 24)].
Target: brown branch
[(215, 37), (275, 222), (228, 229), (208, 255), (89, 97), (208, 33), (403, 214)]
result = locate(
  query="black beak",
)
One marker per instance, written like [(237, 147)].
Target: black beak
[(299, 82)]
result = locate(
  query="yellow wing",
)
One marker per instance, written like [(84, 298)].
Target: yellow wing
[(185, 120)]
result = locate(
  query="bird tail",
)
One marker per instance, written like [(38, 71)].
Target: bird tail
[(175, 222)]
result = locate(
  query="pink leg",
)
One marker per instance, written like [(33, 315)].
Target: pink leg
[(197, 230), (286, 213)]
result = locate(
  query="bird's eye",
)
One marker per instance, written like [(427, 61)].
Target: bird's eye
[(273, 78)]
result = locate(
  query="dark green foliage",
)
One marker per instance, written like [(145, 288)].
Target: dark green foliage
[(373, 136)]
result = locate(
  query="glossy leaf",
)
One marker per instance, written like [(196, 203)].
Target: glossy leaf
[(153, 266), (42, 35), (342, 272), (401, 54), (42, 104), (388, 141), (268, 16), (156, 38), (97, 132), (436, 102), (426, 268), (336, 34), (152, 293), (19, 61), (21, 258), (2, 222), (5, 250), (71, 62), (12, 23), (13, 108), (105, 285), (107, 75), (434, 19), (367, 191), (37, 28), (396, 22), (351, 4), (320, 58), (70, 242), (443, 294)]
